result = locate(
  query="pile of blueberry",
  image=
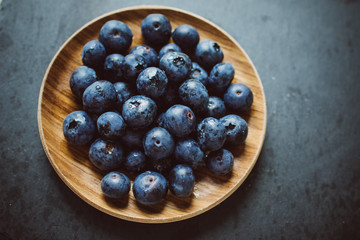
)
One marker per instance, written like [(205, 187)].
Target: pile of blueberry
[(157, 114)]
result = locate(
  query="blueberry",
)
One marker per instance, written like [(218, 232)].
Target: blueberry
[(135, 161), (160, 121), (163, 165), (111, 125), (149, 54), (181, 181), (93, 54), (139, 111), (177, 66), (80, 79), (116, 36), (133, 138), (158, 143), (194, 94), (133, 66), (170, 47), (150, 188), (115, 185), (211, 134), (156, 29), (152, 82), (188, 151), (113, 67), (208, 53), (180, 120), (123, 92), (186, 36), (169, 98), (78, 128), (238, 97), (220, 162), (198, 73), (215, 108), (221, 76), (99, 97), (236, 128), (106, 155)]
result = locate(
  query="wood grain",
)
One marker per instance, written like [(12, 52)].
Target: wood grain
[(72, 164)]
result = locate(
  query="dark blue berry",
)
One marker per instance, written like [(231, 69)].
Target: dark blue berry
[(80, 79), (150, 188), (215, 108), (169, 98), (133, 66), (220, 162), (221, 76), (181, 181), (111, 125), (93, 54), (133, 138), (211, 134), (236, 128), (149, 54), (238, 97), (158, 143), (115, 185), (177, 66), (116, 36), (99, 97), (156, 29), (180, 120), (163, 165), (106, 155), (152, 82), (170, 47), (194, 94), (208, 53), (186, 36), (135, 161), (188, 151), (78, 128), (139, 111), (198, 73), (113, 67), (123, 92)]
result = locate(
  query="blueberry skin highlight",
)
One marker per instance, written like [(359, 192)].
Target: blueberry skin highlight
[(181, 181), (148, 53), (80, 79), (139, 111), (188, 151), (150, 188), (221, 76), (111, 125), (211, 134), (93, 54), (113, 67), (123, 93), (152, 82), (133, 66), (208, 53), (194, 94), (186, 36), (238, 97), (116, 36), (180, 120), (170, 47), (106, 155), (220, 162), (99, 97), (215, 108), (176, 65), (158, 143), (156, 29), (78, 128), (115, 185), (135, 161), (236, 128), (133, 138), (198, 73)]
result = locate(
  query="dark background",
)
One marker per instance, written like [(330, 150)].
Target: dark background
[(306, 183)]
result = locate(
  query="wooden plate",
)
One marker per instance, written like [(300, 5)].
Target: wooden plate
[(72, 164)]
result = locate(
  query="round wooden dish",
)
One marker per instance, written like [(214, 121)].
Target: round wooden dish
[(72, 164)]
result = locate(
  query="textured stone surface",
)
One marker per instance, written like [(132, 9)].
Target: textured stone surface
[(306, 184)]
